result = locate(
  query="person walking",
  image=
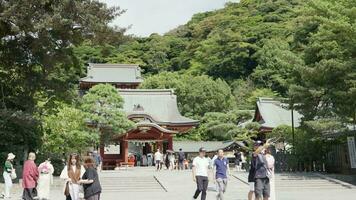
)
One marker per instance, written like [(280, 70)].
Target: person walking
[(200, 174), (72, 173), (158, 159), (222, 170), (270, 165), (90, 181), (45, 180), (29, 178), (8, 174), (181, 158)]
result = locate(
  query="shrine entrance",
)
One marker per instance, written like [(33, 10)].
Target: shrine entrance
[(141, 151)]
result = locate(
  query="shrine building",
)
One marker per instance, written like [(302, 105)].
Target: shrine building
[(154, 111)]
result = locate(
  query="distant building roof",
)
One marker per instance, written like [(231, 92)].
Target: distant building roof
[(113, 73), (273, 113), (159, 105), (210, 146)]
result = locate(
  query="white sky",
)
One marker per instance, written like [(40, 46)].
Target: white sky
[(159, 16)]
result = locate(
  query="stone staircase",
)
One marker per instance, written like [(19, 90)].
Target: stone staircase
[(301, 181)]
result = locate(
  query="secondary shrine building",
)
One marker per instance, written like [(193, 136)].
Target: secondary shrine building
[(154, 111)]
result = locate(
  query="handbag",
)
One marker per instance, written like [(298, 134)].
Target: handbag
[(13, 174), (66, 189)]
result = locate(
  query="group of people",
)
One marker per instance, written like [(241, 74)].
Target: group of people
[(170, 161), (80, 181), (35, 180), (261, 173)]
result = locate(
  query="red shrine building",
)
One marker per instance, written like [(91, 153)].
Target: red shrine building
[(154, 111)]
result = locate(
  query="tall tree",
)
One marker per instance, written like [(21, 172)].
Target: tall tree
[(196, 94), (326, 83), (103, 105)]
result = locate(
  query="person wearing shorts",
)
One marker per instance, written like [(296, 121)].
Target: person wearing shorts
[(252, 171), (262, 185), (222, 170)]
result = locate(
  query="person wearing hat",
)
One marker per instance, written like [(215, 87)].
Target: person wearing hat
[(261, 175), (200, 174), (8, 169)]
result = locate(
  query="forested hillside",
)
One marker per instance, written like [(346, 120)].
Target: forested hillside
[(219, 63), (300, 49)]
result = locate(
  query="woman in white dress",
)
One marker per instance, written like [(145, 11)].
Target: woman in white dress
[(270, 165), (72, 173), (45, 179)]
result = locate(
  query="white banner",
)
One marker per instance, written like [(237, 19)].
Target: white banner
[(112, 149), (352, 151)]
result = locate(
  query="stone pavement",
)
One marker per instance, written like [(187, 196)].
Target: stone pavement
[(147, 184)]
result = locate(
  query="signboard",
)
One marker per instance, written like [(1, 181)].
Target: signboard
[(112, 149), (352, 151)]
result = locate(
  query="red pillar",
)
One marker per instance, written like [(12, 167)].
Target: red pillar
[(125, 152), (170, 142)]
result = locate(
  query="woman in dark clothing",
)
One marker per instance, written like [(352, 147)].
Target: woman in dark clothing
[(90, 181)]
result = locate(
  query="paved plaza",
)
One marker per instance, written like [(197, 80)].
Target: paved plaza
[(147, 184)]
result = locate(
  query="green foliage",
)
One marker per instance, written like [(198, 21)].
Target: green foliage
[(103, 107), (37, 63), (19, 131), (325, 36), (196, 95), (221, 126), (66, 131)]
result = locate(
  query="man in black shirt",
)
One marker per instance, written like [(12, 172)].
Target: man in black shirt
[(252, 171)]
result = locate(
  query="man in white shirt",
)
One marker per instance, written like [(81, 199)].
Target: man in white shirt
[(158, 158), (200, 174)]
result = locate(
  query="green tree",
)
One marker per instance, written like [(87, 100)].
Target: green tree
[(325, 85), (66, 131), (37, 62), (196, 95), (103, 106)]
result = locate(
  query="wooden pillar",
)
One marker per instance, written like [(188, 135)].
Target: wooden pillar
[(170, 142), (125, 152)]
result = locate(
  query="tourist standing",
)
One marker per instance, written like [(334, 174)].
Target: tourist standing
[(7, 174), (200, 174), (270, 164), (262, 184), (72, 173), (171, 161), (243, 161), (252, 171), (237, 155), (97, 159), (45, 180), (29, 178), (181, 158), (90, 181), (166, 160), (221, 168), (158, 159)]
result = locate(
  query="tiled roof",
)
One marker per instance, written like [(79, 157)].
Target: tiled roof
[(274, 113), (158, 104), (113, 73)]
